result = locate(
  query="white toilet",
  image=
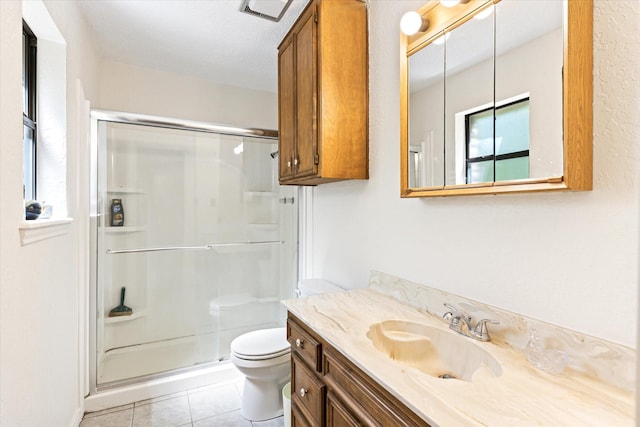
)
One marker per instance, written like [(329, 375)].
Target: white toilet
[(263, 357)]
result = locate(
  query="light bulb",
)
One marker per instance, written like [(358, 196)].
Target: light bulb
[(411, 23), (449, 3)]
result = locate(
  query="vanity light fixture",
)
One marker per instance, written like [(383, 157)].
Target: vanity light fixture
[(485, 13), (442, 38), (452, 3), (412, 22)]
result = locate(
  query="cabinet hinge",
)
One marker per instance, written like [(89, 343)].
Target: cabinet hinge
[(315, 17), (316, 159)]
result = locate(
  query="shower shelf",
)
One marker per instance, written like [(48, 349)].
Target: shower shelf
[(260, 193), (125, 229), (125, 190), (120, 319)]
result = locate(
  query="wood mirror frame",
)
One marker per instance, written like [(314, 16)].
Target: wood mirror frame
[(577, 83)]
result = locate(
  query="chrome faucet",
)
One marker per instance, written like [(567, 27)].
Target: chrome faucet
[(479, 332)]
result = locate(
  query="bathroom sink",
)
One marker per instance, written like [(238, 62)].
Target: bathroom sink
[(436, 352)]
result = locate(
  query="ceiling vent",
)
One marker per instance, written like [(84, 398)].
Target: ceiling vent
[(272, 10)]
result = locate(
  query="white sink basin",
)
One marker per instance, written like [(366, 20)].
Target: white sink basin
[(433, 351)]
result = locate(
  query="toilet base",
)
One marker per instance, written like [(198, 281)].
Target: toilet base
[(261, 400)]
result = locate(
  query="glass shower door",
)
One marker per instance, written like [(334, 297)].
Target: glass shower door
[(206, 250)]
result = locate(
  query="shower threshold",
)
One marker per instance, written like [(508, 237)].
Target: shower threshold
[(125, 392), (138, 362)]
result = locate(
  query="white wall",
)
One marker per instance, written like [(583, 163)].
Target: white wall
[(146, 91), (570, 259), (41, 323)]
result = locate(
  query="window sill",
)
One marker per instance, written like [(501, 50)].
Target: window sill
[(41, 229)]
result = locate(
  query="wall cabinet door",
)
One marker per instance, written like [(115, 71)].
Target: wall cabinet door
[(306, 96), (323, 94), (297, 80), (287, 116)]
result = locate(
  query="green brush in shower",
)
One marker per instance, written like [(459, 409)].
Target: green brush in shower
[(121, 310)]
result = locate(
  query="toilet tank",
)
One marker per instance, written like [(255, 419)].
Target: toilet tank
[(309, 287)]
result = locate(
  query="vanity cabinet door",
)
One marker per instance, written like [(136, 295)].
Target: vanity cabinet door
[(363, 398), (297, 419), (338, 415)]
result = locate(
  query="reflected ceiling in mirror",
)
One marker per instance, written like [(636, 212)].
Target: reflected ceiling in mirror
[(484, 101)]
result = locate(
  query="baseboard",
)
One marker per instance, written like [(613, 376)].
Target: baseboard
[(77, 418)]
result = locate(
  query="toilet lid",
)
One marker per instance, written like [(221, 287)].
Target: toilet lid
[(261, 344)]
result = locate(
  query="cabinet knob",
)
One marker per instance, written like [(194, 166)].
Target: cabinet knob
[(299, 343), (303, 392), (289, 164), (296, 161)]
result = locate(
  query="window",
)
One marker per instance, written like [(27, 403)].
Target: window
[(505, 157), (29, 60)]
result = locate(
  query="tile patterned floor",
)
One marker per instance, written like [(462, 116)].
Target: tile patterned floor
[(213, 406)]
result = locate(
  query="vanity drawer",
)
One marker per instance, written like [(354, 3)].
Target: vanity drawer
[(303, 344), (307, 392)]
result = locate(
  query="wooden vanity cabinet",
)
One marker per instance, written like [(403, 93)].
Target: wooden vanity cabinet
[(307, 388), (323, 95), (334, 392)]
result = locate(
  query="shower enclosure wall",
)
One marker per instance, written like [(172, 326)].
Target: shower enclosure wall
[(206, 250)]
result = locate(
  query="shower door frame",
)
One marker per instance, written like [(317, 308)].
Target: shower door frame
[(99, 115)]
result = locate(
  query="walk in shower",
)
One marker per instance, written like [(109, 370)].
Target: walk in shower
[(205, 248)]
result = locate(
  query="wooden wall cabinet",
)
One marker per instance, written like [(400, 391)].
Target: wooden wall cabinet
[(329, 390), (323, 95)]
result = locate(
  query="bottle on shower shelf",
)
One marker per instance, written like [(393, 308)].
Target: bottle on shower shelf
[(117, 213)]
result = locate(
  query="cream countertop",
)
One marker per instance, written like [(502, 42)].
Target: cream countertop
[(521, 396)]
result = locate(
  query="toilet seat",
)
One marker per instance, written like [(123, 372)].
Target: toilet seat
[(262, 356), (263, 344)]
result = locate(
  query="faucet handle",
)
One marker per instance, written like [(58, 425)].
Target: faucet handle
[(451, 307), (481, 332), (454, 314), (451, 313)]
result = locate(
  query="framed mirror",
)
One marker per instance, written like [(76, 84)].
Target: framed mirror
[(496, 97)]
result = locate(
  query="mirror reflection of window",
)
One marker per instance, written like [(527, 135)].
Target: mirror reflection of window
[(511, 159), (529, 59)]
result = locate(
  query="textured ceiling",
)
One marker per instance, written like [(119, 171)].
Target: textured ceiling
[(208, 39)]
